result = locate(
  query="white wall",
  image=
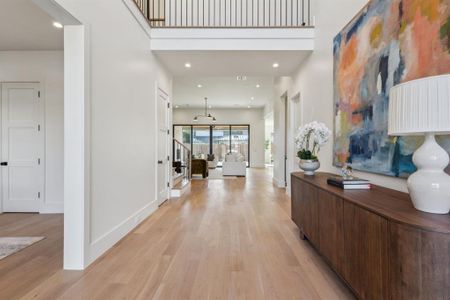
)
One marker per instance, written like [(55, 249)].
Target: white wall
[(123, 76), (46, 67), (243, 116), (314, 80)]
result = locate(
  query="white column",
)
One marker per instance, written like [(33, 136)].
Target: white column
[(76, 149)]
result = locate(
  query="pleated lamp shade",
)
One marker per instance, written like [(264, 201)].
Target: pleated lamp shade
[(420, 106)]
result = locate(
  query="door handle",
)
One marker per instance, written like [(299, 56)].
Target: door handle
[(160, 162), (5, 163)]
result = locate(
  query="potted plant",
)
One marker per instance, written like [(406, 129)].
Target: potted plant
[(309, 139)]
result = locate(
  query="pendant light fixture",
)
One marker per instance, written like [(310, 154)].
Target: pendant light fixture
[(207, 115)]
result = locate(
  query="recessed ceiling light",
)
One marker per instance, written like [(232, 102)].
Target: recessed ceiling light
[(210, 107), (187, 65), (275, 65), (258, 86), (176, 106), (252, 98), (199, 86), (57, 25), (241, 78), (249, 106)]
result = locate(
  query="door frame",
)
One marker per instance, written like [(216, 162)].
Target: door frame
[(284, 98), (295, 121), (41, 134), (158, 90)]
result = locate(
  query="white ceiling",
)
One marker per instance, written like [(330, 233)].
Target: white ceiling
[(24, 26), (222, 92), (232, 63)]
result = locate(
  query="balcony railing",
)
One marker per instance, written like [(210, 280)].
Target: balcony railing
[(226, 13)]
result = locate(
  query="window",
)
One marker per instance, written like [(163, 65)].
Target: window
[(240, 141), (201, 141), (215, 139), (220, 142)]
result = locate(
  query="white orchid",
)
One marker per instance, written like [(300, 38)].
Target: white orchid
[(319, 133)]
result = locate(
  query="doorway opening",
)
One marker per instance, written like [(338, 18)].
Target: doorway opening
[(215, 140), (285, 108), (268, 140), (32, 143)]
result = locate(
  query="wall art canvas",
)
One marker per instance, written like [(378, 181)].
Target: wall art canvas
[(387, 43)]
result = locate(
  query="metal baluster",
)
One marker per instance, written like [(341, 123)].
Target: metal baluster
[(264, 13), (275, 13), (231, 15), (253, 16), (242, 20), (292, 13), (309, 12), (235, 13), (246, 13), (257, 12), (175, 13), (303, 13), (281, 14), (286, 13)]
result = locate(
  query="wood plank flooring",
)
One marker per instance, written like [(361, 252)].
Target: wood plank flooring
[(30, 267), (224, 239)]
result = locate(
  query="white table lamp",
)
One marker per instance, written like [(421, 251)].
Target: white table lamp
[(423, 107)]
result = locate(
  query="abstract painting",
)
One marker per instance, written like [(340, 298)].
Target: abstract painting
[(387, 43)]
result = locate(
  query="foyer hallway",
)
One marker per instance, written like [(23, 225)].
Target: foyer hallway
[(224, 239)]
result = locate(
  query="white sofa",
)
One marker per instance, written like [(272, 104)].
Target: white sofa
[(212, 164), (234, 165)]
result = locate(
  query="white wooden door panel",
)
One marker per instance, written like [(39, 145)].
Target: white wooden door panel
[(163, 162), (22, 148)]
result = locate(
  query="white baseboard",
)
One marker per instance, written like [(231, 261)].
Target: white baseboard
[(279, 183), (109, 239), (52, 208), (257, 165)]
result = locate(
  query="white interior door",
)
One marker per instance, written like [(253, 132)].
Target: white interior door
[(163, 140), (22, 148)]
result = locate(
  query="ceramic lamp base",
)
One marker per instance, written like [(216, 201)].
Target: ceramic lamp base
[(429, 187)]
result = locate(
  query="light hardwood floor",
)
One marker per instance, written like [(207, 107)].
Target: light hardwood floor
[(224, 239)]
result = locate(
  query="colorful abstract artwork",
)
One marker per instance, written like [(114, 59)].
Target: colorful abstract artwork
[(387, 43)]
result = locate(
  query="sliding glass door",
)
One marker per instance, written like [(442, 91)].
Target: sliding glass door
[(201, 141), (240, 141), (215, 139), (220, 142)]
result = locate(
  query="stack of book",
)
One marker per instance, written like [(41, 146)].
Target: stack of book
[(349, 183)]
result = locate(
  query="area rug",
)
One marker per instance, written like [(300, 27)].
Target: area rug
[(11, 245)]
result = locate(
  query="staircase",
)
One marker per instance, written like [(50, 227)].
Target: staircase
[(181, 168)]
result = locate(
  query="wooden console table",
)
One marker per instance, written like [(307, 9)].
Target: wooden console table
[(374, 239)]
